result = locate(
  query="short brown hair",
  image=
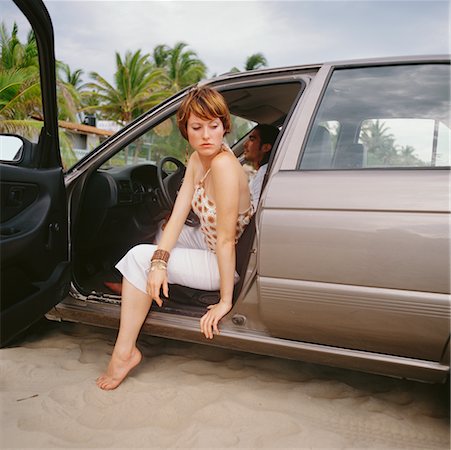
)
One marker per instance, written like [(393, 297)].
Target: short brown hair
[(207, 104)]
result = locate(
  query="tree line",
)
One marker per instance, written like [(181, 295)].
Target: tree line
[(140, 81)]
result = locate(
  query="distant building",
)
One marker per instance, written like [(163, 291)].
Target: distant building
[(85, 138)]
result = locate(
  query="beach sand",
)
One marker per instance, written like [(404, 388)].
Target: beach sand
[(193, 396)]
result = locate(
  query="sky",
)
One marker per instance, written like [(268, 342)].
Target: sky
[(225, 33)]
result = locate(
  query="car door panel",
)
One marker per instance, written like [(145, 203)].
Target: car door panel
[(33, 243), (372, 236), (38, 216), (15, 197), (35, 268), (404, 323), (360, 260)]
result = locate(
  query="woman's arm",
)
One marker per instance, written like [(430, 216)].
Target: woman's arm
[(226, 187)]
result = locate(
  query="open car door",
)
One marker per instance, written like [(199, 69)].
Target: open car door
[(35, 268)]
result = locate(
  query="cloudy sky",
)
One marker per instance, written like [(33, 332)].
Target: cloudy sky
[(224, 33)]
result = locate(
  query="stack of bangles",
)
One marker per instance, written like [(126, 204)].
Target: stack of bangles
[(159, 260)]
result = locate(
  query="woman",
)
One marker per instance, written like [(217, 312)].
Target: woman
[(216, 187)]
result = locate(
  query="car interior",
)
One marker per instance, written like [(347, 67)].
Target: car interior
[(123, 204)]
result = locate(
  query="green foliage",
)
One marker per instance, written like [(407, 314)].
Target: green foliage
[(381, 147), (253, 62), (67, 153), (138, 85), (163, 140), (66, 75), (20, 93), (14, 54), (182, 66), (140, 82)]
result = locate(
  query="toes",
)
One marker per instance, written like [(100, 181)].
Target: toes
[(100, 379), (104, 385), (103, 382), (107, 386)]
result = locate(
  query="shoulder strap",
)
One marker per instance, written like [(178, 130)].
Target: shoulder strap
[(205, 176)]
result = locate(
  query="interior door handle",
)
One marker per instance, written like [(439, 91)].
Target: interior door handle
[(15, 196)]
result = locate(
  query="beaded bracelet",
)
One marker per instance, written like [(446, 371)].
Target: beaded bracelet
[(161, 255)]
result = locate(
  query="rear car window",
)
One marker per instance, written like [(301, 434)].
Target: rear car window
[(382, 117)]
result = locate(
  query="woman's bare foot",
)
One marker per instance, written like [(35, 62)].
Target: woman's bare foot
[(118, 369)]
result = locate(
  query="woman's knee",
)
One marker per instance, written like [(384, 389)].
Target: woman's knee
[(142, 253)]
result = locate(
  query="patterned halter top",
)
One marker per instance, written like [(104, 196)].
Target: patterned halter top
[(205, 209)]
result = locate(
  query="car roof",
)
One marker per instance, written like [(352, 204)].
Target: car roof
[(336, 63)]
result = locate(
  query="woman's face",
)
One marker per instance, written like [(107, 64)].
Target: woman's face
[(205, 136)]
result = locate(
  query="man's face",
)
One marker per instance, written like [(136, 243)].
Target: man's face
[(253, 152)]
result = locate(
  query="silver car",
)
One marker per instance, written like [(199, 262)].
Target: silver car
[(347, 260)]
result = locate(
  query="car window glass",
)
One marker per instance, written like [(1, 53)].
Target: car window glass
[(383, 117), (20, 91), (405, 142), (165, 140)]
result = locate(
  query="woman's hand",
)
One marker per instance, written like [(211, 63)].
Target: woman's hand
[(156, 279), (209, 321)]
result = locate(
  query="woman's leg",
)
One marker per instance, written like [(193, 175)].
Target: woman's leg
[(134, 309), (192, 267), (195, 268)]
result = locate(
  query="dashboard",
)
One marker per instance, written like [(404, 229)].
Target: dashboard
[(120, 202)]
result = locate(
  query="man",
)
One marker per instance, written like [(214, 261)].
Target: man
[(257, 151)]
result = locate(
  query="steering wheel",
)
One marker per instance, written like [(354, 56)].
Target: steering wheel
[(169, 187)]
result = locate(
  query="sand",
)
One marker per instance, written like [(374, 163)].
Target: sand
[(193, 396)]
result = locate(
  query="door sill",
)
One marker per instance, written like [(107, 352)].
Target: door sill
[(186, 328)]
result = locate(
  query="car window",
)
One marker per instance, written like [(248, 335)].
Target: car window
[(382, 117), (20, 91), (165, 140)]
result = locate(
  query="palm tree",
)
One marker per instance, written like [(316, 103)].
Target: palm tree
[(137, 86), (255, 61), (69, 77), (183, 67), (407, 157), (161, 55), (14, 54), (20, 94), (379, 143), (20, 99), (20, 91), (69, 85)]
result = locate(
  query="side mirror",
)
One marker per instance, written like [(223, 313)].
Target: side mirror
[(11, 148)]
